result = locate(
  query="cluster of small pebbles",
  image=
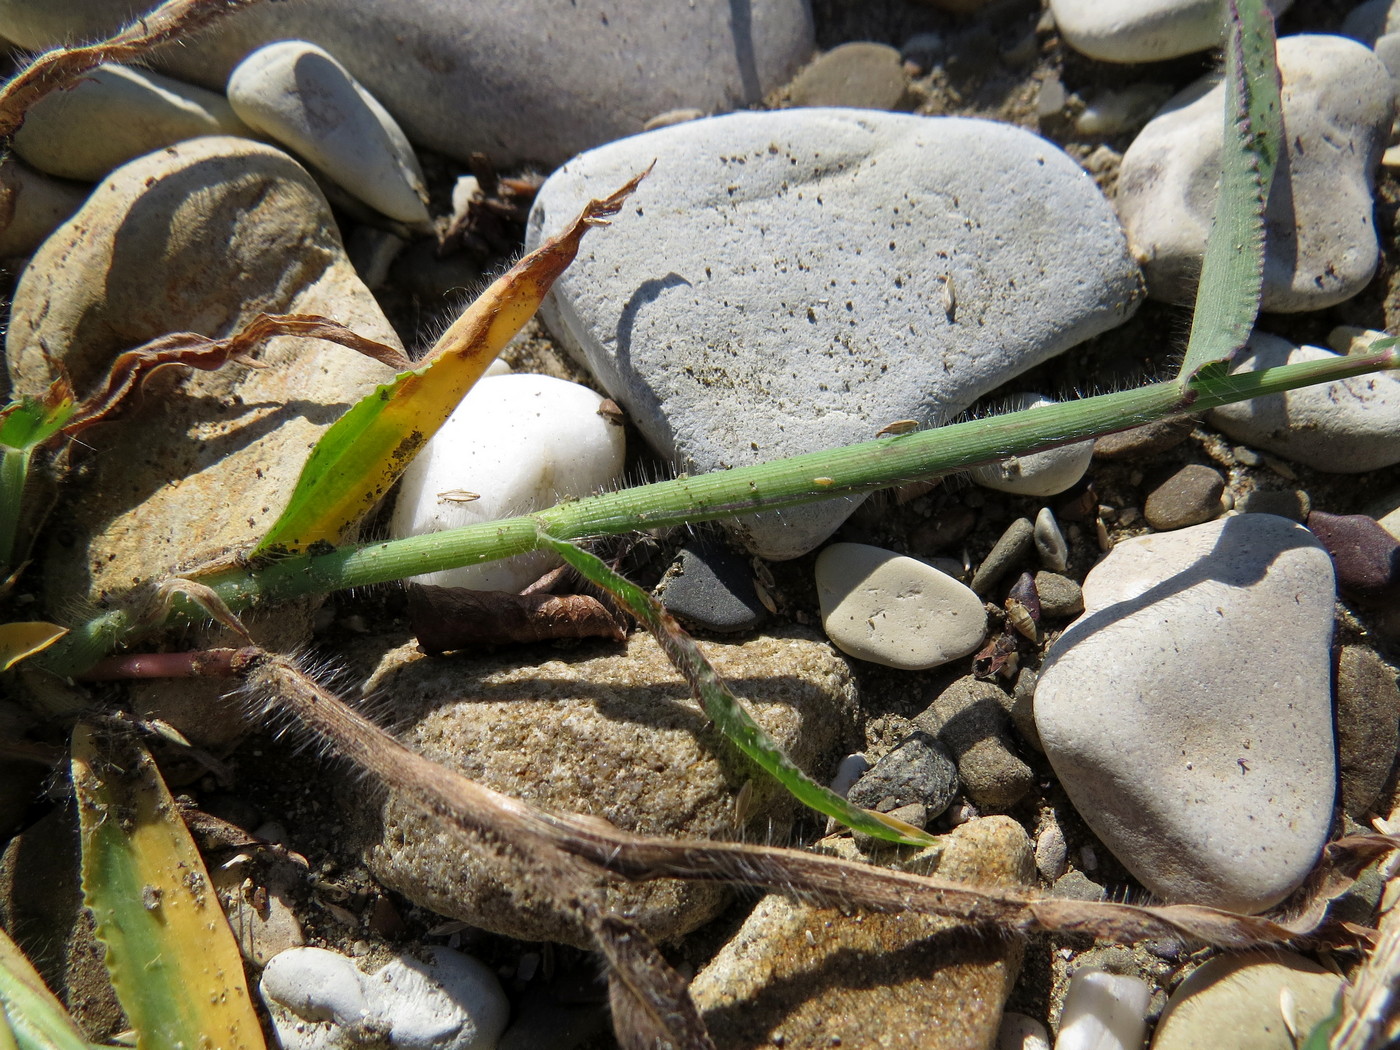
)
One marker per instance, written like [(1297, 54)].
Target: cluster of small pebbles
[(1156, 666)]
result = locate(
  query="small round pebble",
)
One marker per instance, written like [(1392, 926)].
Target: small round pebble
[(1366, 557), (1051, 853), (1104, 1011), (1292, 504), (919, 770), (1189, 497), (1050, 541), (860, 75), (1042, 473), (1019, 1032), (1008, 552), (1060, 597), (895, 610), (970, 717)]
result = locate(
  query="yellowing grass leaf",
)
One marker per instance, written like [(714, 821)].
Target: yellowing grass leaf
[(170, 952), (25, 638), (365, 451), (31, 1017)]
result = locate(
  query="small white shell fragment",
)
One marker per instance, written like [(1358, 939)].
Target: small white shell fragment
[(301, 96), (895, 610), (1104, 1011), (520, 442), (1040, 474)]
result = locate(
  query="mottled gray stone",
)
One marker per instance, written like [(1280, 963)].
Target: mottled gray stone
[(970, 717), (790, 281), (919, 770)]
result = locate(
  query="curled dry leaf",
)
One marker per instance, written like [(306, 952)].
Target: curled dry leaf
[(449, 618)]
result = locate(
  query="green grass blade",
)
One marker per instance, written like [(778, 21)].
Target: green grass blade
[(173, 961), (725, 709), (1232, 272), (24, 426), (30, 1015)]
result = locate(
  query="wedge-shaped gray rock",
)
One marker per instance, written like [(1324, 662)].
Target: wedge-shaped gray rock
[(791, 281), (114, 114), (298, 94), (1342, 428), (535, 80), (1188, 712), (1338, 100)]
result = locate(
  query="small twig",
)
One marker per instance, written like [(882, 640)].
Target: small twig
[(61, 66)]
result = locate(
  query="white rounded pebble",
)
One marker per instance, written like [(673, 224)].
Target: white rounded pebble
[(1141, 30), (1338, 100), (895, 610), (113, 114), (301, 96), (1341, 428), (1104, 1011), (1188, 712), (1050, 542), (731, 307), (319, 1000), (315, 985), (1041, 474), (518, 443), (1019, 1032), (848, 771)]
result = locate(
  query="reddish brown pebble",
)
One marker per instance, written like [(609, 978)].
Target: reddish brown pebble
[(1366, 557)]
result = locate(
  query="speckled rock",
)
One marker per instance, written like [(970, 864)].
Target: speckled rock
[(1225, 802), (895, 610), (608, 733), (1342, 428), (970, 716), (205, 463), (1188, 497), (862, 75), (728, 306), (1368, 726), (532, 80), (1322, 249), (1234, 1001), (919, 770), (818, 975), (114, 114), (1141, 30), (298, 94), (1060, 597), (1041, 473)]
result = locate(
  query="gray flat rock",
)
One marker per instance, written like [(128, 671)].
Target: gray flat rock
[(532, 80), (1188, 712), (790, 281), (1338, 102)]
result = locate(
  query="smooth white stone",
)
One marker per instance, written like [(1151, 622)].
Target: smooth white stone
[(1050, 542), (848, 771), (1338, 101), (319, 1000), (1188, 712), (316, 985), (1341, 428), (1041, 474), (1019, 1032), (791, 281), (1142, 30), (895, 610), (1237, 1001), (1104, 1011), (300, 95), (520, 442), (114, 114)]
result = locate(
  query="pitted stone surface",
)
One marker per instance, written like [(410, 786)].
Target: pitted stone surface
[(791, 281)]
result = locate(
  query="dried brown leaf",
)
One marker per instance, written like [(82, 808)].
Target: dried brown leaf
[(61, 66), (449, 618), (651, 1005)]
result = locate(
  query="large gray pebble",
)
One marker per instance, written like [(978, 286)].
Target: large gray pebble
[(790, 281), (301, 96), (609, 733), (1188, 712), (1342, 428), (1141, 30), (533, 80), (1338, 100), (114, 114)]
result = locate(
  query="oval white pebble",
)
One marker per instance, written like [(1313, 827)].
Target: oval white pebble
[(517, 443), (895, 610), (1141, 30), (1042, 473), (1342, 428), (1104, 1011), (300, 95), (316, 985)]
